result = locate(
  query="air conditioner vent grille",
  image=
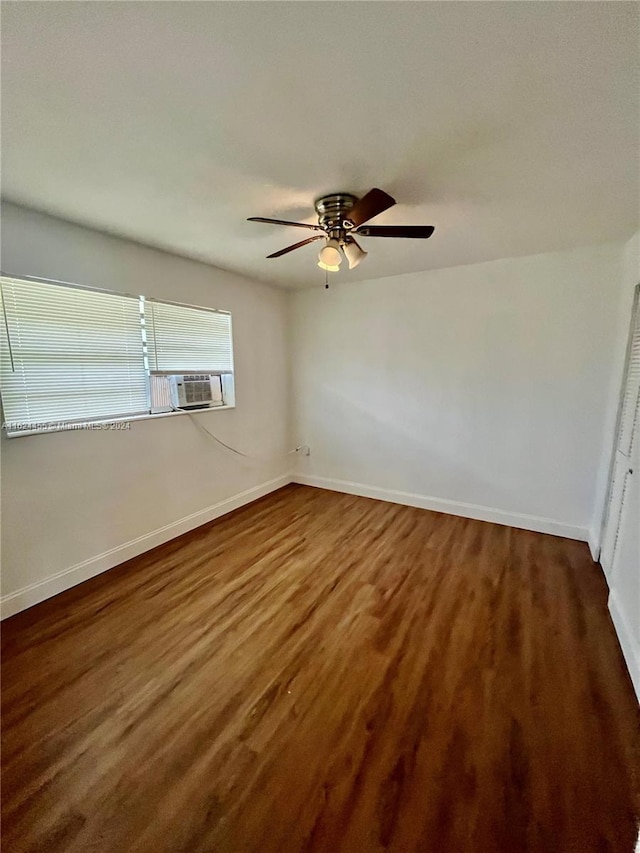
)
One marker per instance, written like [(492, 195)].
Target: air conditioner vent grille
[(197, 391)]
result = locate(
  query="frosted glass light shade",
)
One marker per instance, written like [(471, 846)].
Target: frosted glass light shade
[(328, 267), (354, 254), (330, 254)]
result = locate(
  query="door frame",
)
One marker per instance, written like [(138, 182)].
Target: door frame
[(616, 435)]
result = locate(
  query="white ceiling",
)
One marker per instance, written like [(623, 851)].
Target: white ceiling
[(512, 127)]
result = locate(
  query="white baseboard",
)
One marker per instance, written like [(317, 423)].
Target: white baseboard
[(594, 545), (628, 643), (54, 584), (481, 513)]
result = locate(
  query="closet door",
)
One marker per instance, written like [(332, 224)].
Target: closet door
[(622, 518)]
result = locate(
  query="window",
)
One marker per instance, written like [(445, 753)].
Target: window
[(189, 356), (182, 339), (74, 355)]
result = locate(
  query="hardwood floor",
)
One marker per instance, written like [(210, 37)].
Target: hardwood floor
[(321, 672)]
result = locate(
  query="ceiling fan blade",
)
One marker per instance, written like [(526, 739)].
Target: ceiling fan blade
[(283, 222), (419, 231), (370, 205), (297, 245)]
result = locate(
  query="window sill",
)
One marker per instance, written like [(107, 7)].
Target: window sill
[(116, 424)]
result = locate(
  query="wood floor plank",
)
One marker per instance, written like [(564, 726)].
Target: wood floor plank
[(322, 672)]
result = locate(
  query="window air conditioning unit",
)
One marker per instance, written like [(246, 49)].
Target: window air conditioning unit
[(186, 391), (195, 391)]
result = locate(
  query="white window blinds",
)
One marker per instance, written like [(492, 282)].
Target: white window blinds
[(182, 339), (69, 354)]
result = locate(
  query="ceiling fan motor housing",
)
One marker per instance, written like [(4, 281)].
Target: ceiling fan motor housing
[(333, 213)]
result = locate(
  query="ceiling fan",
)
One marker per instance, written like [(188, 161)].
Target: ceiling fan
[(342, 217)]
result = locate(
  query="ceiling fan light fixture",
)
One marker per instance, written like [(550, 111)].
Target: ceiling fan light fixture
[(354, 253), (342, 217), (327, 267), (330, 255)]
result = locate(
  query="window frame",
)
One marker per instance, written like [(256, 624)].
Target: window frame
[(119, 422)]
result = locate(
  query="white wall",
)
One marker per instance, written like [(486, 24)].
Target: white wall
[(475, 389), (75, 503)]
